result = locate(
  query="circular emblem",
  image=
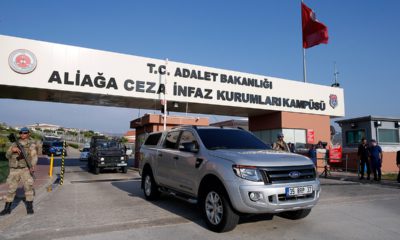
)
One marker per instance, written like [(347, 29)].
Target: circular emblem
[(294, 174), (22, 61)]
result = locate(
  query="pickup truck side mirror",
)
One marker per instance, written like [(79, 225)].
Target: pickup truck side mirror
[(189, 147)]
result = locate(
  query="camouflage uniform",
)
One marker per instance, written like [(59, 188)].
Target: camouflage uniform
[(19, 171), (281, 145)]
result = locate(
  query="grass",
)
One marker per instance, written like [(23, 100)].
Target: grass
[(3, 171), (390, 176), (73, 145)]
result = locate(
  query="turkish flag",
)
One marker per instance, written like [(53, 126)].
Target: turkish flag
[(314, 32)]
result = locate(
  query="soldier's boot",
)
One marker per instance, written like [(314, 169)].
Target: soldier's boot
[(7, 209), (29, 207)]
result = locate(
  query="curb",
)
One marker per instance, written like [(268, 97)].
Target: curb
[(355, 179)]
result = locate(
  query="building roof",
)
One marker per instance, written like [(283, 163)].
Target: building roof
[(130, 133), (369, 118), (231, 122)]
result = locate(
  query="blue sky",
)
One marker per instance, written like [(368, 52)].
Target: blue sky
[(261, 37)]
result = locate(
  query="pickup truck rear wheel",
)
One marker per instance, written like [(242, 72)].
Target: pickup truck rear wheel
[(295, 215), (150, 187), (217, 211)]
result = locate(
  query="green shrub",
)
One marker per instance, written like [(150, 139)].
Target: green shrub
[(3, 171), (73, 145)]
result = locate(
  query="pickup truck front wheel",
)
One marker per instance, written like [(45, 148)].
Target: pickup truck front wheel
[(217, 211), (150, 187)]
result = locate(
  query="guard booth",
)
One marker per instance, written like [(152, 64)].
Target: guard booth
[(385, 130)]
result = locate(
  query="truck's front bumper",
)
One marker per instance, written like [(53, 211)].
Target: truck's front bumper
[(273, 198), (112, 165)]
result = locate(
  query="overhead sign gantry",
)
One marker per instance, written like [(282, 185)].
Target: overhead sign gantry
[(37, 70)]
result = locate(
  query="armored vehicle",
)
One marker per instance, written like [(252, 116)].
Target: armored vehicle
[(106, 153)]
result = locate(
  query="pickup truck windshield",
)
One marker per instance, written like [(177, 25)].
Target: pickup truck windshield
[(108, 145), (223, 138)]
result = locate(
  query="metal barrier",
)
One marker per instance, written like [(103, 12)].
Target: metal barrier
[(329, 165), (62, 164)]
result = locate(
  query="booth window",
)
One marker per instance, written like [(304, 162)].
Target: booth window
[(388, 136), (354, 137)]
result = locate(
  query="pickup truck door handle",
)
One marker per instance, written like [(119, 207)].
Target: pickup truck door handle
[(198, 162), (176, 157), (160, 155)]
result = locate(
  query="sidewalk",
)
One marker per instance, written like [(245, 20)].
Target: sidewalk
[(353, 177), (41, 183), (42, 180)]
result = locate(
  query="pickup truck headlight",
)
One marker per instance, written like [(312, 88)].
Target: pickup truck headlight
[(250, 173)]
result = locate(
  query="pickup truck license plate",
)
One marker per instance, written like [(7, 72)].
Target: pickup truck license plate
[(298, 191), (121, 164)]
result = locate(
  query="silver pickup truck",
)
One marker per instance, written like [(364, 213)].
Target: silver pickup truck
[(229, 173)]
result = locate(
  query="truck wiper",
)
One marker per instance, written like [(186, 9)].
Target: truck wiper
[(219, 147)]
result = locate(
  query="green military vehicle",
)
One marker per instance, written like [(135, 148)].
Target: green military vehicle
[(107, 154)]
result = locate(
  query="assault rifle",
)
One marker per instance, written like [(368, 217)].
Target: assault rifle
[(13, 139)]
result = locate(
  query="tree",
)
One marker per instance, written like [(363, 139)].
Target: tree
[(124, 140)]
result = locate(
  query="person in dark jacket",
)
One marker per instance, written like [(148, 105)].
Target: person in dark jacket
[(312, 154), (363, 154), (375, 154), (398, 165)]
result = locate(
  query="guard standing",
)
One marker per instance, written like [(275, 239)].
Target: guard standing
[(280, 144), (375, 153), (363, 154), (19, 171)]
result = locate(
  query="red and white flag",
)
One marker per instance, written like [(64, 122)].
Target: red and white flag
[(314, 32)]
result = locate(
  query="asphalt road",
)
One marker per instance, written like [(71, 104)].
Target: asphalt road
[(112, 206)]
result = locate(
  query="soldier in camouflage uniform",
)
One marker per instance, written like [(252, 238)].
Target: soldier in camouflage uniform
[(19, 171), (280, 144)]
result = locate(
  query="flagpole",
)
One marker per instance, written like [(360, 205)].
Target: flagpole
[(165, 95), (304, 66), (304, 56)]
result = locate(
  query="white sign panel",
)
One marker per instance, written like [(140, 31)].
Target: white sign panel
[(42, 65)]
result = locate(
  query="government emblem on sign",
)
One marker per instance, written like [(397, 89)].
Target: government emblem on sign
[(22, 61), (333, 101)]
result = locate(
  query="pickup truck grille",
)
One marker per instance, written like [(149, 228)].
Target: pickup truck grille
[(288, 174), (113, 159)]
